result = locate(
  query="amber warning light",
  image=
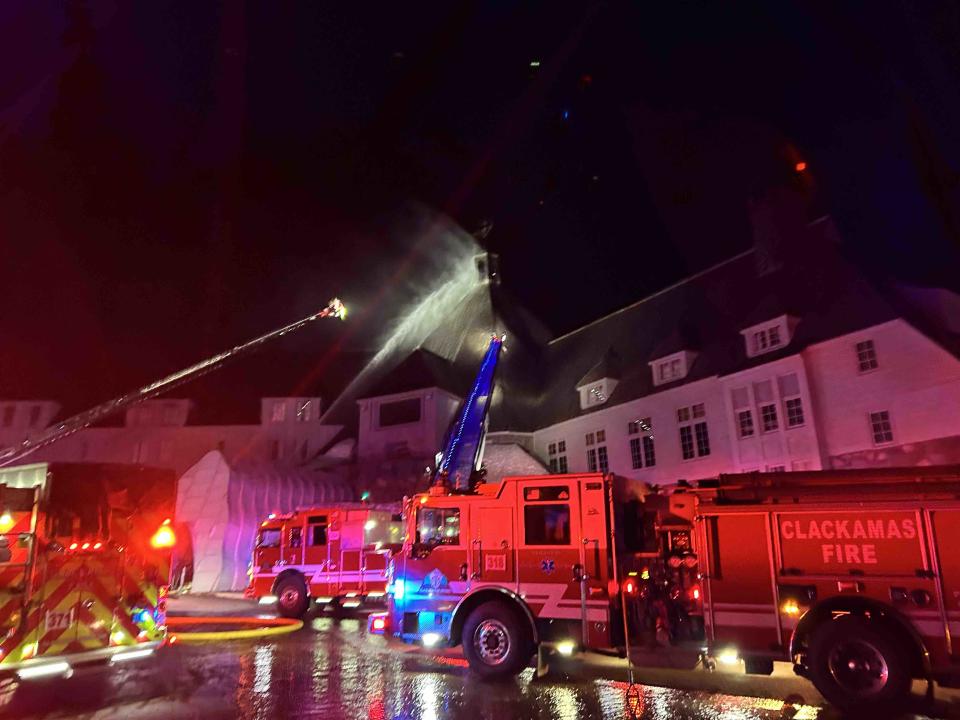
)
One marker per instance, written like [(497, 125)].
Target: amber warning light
[(164, 537)]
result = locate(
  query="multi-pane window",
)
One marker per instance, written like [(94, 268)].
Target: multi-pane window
[(8, 412), (641, 448), (686, 442), (703, 438), (557, 456), (669, 370), (597, 456), (35, 411), (794, 407), (745, 423), (602, 463), (880, 427), (694, 436), (278, 412), (768, 417), (766, 339), (776, 468), (866, 356)]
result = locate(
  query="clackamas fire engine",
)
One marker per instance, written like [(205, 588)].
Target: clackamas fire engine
[(847, 575), (85, 548), (330, 555)]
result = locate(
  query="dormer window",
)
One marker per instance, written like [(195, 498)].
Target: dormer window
[(769, 336), (672, 367), (596, 393)]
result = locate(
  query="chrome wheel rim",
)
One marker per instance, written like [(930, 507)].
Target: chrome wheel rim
[(491, 641), (289, 597), (858, 667)]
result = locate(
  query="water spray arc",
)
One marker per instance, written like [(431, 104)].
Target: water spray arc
[(335, 309)]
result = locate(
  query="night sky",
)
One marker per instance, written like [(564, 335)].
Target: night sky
[(175, 177)]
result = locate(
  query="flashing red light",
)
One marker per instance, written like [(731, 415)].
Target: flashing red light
[(630, 587), (800, 166), (379, 624), (85, 546), (695, 592), (164, 537), (74, 546), (97, 546)]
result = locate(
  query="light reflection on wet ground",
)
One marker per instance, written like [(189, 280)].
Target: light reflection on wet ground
[(331, 670)]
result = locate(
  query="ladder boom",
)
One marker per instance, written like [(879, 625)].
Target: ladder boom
[(86, 418)]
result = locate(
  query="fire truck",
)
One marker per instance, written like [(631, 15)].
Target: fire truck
[(85, 548), (328, 555), (84, 565), (848, 575)]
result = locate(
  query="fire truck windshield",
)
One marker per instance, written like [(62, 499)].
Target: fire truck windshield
[(269, 538), (438, 526)]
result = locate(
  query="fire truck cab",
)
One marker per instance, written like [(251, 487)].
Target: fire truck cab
[(845, 574), (84, 565), (325, 555)]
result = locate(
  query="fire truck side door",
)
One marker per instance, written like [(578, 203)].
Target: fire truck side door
[(549, 547), (492, 547)]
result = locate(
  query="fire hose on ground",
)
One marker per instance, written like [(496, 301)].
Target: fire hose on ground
[(256, 627)]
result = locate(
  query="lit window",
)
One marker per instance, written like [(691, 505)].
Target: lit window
[(745, 423), (303, 411), (866, 356), (794, 408), (768, 417), (881, 427), (641, 448), (601, 436)]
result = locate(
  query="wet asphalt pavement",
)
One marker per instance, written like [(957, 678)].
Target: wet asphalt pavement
[(331, 669)]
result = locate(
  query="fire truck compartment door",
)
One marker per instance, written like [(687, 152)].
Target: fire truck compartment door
[(492, 548), (740, 580)]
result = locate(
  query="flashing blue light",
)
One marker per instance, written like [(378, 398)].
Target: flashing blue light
[(140, 616), (566, 114), (397, 589)]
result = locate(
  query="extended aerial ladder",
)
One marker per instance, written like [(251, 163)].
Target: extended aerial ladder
[(459, 462), (78, 422)]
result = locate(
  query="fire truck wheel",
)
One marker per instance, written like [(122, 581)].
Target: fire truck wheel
[(860, 667), (495, 641), (292, 598)]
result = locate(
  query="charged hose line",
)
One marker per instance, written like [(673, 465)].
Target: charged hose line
[(263, 627)]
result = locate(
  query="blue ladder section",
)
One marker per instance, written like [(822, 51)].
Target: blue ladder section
[(465, 438)]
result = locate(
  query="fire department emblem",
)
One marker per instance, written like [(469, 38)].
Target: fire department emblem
[(547, 566), (435, 580)]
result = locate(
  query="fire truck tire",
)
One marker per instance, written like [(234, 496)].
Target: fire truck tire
[(292, 598), (860, 667), (496, 642)]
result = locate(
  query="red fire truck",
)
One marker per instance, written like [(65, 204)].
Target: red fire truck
[(329, 555), (847, 575), (84, 565)]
